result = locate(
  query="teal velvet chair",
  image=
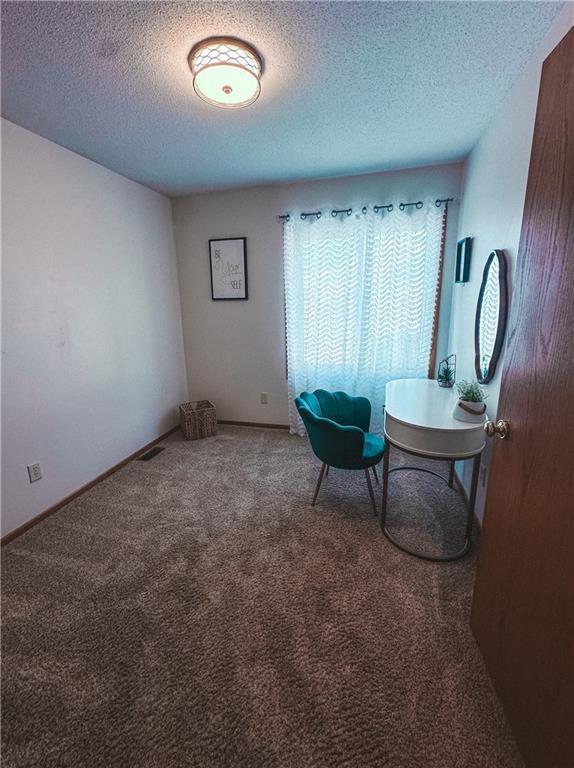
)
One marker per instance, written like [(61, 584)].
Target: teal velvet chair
[(338, 429)]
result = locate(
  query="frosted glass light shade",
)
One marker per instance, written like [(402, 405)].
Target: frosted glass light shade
[(225, 72)]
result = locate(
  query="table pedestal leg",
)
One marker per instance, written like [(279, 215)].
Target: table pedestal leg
[(469, 515), (385, 483), (451, 475), (472, 497)]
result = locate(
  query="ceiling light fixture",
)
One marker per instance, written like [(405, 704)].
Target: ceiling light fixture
[(226, 72)]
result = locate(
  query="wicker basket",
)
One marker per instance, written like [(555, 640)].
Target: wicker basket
[(197, 419)]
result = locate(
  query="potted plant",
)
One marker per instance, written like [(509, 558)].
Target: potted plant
[(446, 372), (445, 377), (470, 405)]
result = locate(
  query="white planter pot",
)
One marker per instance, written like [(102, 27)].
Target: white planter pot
[(466, 411)]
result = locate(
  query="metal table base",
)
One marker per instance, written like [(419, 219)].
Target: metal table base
[(470, 507)]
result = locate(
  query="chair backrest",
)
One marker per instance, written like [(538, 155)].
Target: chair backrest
[(342, 408), (337, 445)]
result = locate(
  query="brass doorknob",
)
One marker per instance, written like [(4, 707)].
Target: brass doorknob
[(500, 428)]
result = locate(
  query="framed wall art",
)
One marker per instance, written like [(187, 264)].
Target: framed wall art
[(463, 254), (228, 268)]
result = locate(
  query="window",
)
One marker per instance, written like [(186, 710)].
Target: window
[(361, 295)]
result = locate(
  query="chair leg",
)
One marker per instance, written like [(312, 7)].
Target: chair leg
[(319, 481), (375, 474), (327, 471), (371, 494)]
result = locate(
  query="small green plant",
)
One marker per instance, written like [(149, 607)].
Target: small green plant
[(446, 371), (471, 391), (446, 374)]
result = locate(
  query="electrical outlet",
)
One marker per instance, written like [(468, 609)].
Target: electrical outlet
[(264, 398), (34, 472)]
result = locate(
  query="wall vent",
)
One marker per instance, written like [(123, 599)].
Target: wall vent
[(151, 454)]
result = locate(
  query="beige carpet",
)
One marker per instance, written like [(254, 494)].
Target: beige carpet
[(197, 611)]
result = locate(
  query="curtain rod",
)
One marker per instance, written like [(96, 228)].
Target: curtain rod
[(348, 211)]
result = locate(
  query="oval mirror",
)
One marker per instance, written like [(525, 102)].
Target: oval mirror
[(490, 323)]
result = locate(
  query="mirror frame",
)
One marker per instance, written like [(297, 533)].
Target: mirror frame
[(502, 316)]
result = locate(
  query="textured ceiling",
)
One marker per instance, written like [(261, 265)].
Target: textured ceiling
[(348, 87)]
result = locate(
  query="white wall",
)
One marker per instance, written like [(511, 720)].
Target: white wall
[(236, 350), (493, 196), (92, 343)]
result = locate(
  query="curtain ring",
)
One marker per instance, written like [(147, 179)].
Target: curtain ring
[(335, 212)]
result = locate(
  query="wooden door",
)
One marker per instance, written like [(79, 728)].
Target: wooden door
[(523, 606)]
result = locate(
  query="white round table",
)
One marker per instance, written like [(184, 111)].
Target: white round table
[(418, 420)]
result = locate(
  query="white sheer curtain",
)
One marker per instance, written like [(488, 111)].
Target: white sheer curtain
[(360, 295)]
